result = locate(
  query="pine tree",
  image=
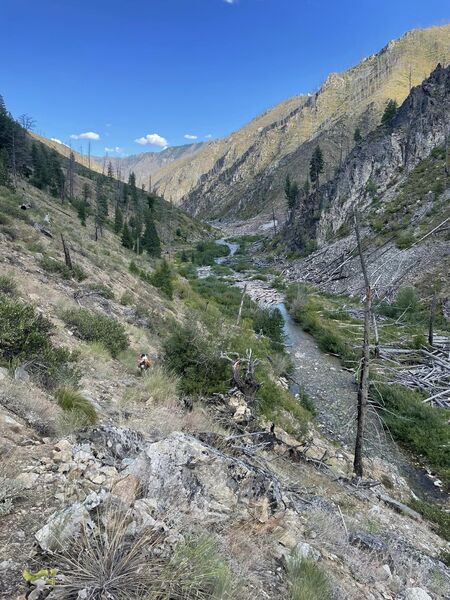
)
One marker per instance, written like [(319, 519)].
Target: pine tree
[(357, 135), (101, 209), (306, 187), (4, 172), (110, 170), (162, 279), (150, 239), (389, 113), (86, 191), (127, 240), (118, 220), (133, 190), (316, 165), (82, 212), (291, 192)]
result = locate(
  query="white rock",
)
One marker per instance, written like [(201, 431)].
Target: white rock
[(28, 480), (416, 593), (3, 373), (305, 550)]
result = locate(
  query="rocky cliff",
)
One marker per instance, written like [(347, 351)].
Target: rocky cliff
[(398, 179)]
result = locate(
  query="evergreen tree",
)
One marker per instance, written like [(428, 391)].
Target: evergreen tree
[(127, 240), (82, 212), (110, 170), (357, 135), (316, 165), (86, 192), (133, 189), (118, 220), (162, 279), (389, 113), (150, 239), (101, 208), (291, 192), (4, 172), (306, 187)]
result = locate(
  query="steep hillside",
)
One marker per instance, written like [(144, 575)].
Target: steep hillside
[(64, 150), (398, 179), (108, 477), (244, 173)]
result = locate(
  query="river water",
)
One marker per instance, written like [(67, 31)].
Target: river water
[(332, 388)]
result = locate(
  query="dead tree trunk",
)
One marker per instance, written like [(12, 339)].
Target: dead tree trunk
[(377, 338), (274, 221), (431, 320), (238, 322), (244, 374), (67, 258), (363, 385)]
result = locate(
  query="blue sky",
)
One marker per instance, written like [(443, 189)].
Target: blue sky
[(159, 70)]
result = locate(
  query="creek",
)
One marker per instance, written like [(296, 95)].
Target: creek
[(332, 388)]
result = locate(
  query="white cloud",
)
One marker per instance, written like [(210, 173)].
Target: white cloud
[(230, 1), (88, 135), (152, 139), (57, 141), (189, 136), (114, 149), (208, 137)]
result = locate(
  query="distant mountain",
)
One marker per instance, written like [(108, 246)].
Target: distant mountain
[(145, 164), (243, 174)]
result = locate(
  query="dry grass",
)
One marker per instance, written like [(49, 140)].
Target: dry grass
[(109, 563), (30, 404), (156, 386), (10, 488)]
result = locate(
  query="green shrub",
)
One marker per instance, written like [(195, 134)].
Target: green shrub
[(25, 336), (23, 331), (307, 402), (71, 400), (206, 252), (404, 239), (420, 427), (162, 278), (52, 265), (280, 407), (126, 299), (271, 324), (195, 358), (187, 270), (101, 290), (95, 327), (306, 580), (8, 285), (435, 514)]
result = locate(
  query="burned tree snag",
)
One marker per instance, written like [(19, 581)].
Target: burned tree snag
[(244, 373), (67, 258), (431, 319), (363, 385), (238, 322)]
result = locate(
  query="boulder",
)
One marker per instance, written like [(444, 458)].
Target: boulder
[(415, 593), (188, 478), (63, 526), (126, 489)]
